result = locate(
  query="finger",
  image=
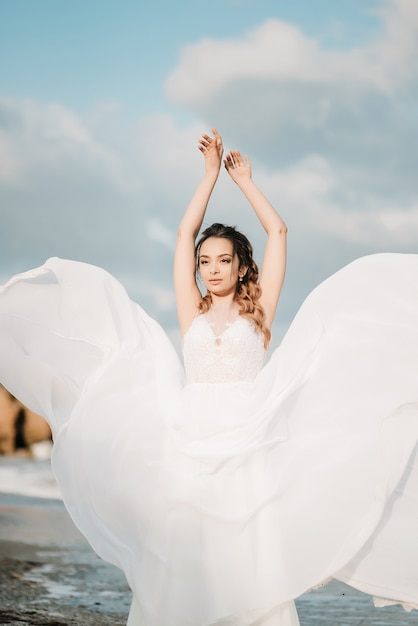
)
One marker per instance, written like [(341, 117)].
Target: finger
[(229, 162), (205, 140), (204, 143), (237, 157), (218, 139)]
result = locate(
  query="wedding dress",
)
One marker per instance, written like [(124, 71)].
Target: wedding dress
[(227, 489)]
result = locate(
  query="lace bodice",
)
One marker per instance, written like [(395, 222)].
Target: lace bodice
[(235, 355)]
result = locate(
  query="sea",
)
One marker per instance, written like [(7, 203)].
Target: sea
[(334, 604), (30, 476)]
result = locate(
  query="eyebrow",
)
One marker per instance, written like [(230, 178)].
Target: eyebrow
[(206, 256)]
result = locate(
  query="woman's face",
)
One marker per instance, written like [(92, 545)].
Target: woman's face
[(218, 266)]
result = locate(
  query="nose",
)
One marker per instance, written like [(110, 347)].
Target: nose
[(214, 268)]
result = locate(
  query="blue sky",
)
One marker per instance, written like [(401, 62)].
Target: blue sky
[(82, 52), (101, 105)]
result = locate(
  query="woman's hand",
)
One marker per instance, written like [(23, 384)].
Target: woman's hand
[(238, 168), (212, 149)]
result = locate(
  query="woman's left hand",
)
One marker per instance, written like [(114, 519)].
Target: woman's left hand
[(238, 167)]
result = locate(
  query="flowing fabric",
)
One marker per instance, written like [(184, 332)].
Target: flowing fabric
[(225, 495)]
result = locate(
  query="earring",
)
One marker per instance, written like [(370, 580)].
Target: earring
[(240, 279)]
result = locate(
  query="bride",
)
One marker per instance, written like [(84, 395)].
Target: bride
[(224, 256), (225, 495)]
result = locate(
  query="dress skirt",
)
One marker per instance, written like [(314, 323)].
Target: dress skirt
[(222, 503)]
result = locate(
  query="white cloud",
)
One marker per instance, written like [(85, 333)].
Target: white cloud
[(331, 134), (400, 226), (274, 50), (158, 232), (38, 137), (277, 51), (9, 164), (306, 193), (285, 97), (72, 190), (337, 129)]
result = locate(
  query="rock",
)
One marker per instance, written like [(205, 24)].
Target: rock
[(20, 428)]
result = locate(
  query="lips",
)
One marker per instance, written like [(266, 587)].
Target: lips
[(215, 281)]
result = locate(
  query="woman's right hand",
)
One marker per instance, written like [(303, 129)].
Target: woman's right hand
[(212, 149)]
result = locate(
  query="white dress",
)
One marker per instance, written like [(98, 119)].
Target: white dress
[(225, 495)]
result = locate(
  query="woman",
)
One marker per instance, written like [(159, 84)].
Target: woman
[(225, 498), (223, 287)]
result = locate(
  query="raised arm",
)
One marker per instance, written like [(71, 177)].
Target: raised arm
[(187, 292), (274, 261)]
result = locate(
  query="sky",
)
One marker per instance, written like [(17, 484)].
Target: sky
[(102, 104)]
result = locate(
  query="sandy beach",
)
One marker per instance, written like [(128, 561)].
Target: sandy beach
[(48, 572), (49, 575)]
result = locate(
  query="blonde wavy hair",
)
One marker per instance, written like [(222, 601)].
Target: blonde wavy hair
[(248, 290)]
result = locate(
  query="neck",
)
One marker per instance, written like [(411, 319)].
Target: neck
[(223, 312), (224, 303)]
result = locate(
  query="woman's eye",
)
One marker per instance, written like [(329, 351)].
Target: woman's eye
[(226, 261), (203, 262)]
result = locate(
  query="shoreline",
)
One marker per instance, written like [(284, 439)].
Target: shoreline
[(50, 576)]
